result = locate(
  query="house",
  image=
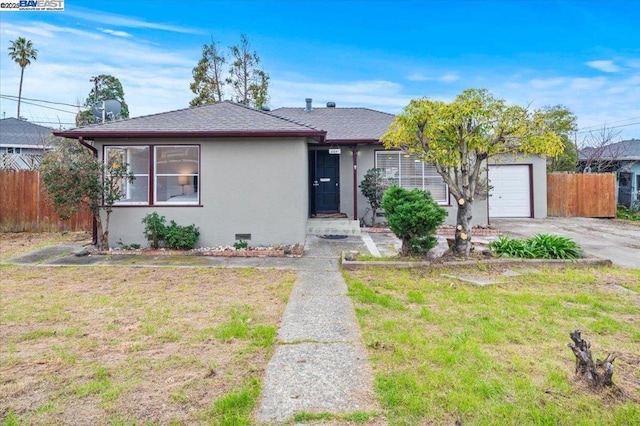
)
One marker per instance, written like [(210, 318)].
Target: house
[(22, 144), (622, 158), (241, 173)]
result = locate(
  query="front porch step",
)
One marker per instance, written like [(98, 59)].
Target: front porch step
[(333, 227)]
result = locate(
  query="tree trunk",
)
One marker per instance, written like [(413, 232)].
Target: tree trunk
[(373, 216), (102, 234), (404, 249), (20, 91), (462, 244), (586, 369)]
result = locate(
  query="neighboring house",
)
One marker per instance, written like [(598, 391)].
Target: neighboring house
[(622, 158), (22, 144), (240, 173)]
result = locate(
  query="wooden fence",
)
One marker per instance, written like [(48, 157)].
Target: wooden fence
[(23, 206), (581, 195)]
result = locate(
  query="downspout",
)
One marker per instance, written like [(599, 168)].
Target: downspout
[(354, 151), (94, 231)]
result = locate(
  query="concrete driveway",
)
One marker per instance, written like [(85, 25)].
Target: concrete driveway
[(605, 238)]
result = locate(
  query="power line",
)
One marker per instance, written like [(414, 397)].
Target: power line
[(51, 122), (40, 106), (39, 100), (607, 127), (611, 122)]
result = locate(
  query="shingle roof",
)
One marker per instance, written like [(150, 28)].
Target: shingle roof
[(220, 119), (628, 150), (342, 124), (14, 132)]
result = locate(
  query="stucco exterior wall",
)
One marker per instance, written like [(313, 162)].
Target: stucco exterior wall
[(248, 186)]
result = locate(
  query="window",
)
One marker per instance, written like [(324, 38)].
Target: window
[(176, 174), (408, 172), (12, 150), (137, 159), (172, 180)]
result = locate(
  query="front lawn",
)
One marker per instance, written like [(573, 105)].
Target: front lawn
[(443, 350), (125, 345)]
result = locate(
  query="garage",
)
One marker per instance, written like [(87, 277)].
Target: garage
[(511, 191)]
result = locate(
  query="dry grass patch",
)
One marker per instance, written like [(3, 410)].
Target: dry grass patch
[(443, 350), (125, 345)]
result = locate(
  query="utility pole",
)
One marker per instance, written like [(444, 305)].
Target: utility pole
[(95, 94)]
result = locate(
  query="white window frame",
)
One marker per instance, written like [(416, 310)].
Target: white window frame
[(137, 175), (195, 175), (427, 179)]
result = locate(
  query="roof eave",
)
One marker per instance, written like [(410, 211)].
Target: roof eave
[(92, 135), (353, 141)]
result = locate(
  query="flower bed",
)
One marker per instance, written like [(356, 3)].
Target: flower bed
[(295, 250)]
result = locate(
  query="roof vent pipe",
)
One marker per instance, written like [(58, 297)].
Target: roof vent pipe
[(265, 108), (308, 101), (331, 104)]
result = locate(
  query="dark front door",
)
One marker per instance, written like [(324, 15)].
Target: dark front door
[(325, 178)]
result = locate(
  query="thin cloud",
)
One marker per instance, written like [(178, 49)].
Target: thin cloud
[(126, 22), (604, 66), (444, 78), (548, 83), (115, 33), (378, 94)]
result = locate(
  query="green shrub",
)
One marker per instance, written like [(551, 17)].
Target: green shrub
[(373, 187), (154, 227), (540, 246), (414, 217), (241, 245), (628, 214), (181, 237), (177, 237)]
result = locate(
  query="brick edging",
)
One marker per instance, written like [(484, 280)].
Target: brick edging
[(356, 265)]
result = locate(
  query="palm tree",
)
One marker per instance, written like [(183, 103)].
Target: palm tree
[(22, 53)]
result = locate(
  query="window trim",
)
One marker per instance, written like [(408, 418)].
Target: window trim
[(445, 202), (151, 201), (148, 175), (155, 176)]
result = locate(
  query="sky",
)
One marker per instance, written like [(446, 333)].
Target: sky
[(584, 55)]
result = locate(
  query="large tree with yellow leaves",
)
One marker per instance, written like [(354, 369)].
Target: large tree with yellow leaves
[(460, 136)]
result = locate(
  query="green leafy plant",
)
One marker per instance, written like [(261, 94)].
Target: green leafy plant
[(629, 214), (540, 246), (154, 228), (181, 237), (122, 246), (414, 217), (373, 187), (241, 245)]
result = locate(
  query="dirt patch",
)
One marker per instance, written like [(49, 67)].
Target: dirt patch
[(133, 345), (13, 244)]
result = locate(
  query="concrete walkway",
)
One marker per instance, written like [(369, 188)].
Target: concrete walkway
[(320, 364)]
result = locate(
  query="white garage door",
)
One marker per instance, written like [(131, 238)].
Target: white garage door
[(511, 192)]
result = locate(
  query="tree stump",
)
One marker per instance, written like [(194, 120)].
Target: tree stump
[(597, 374)]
